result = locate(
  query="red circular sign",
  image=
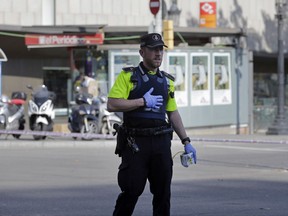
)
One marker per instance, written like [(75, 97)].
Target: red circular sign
[(154, 6)]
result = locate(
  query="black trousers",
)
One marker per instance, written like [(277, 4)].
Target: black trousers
[(152, 162)]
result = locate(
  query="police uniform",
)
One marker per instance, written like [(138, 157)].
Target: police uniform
[(150, 130)]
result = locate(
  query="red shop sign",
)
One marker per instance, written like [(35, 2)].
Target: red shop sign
[(64, 40)]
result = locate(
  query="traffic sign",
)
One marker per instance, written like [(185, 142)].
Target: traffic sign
[(154, 6)]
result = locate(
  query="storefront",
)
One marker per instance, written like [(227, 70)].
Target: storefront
[(206, 76), (206, 83)]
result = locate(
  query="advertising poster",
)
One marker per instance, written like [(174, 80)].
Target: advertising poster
[(178, 67), (222, 78), (200, 92), (120, 60)]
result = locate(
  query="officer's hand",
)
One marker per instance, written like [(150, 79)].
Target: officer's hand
[(153, 101), (190, 149)]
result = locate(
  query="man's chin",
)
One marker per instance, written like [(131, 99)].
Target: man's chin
[(158, 64)]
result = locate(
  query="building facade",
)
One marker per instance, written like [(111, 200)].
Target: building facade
[(256, 18)]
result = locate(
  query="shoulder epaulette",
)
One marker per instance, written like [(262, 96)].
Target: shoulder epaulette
[(128, 69), (169, 76)]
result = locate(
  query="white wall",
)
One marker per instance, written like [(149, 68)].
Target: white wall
[(48, 12)]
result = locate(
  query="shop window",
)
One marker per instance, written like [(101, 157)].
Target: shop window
[(265, 100), (92, 63), (56, 80), (265, 89)]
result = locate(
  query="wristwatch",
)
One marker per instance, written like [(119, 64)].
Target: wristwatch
[(185, 140)]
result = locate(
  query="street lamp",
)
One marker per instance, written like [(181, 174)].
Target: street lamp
[(174, 13), (280, 126)]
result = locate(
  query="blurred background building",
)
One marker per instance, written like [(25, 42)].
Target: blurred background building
[(107, 35)]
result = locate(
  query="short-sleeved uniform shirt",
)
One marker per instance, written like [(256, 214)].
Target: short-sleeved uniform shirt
[(123, 86)]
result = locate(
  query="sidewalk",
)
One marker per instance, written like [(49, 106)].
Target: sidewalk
[(60, 125), (218, 133), (221, 133)]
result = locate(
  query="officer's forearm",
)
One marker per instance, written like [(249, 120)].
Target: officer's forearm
[(177, 124), (123, 105)]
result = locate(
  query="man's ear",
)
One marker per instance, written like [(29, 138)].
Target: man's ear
[(141, 52)]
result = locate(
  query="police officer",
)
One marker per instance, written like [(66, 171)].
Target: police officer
[(145, 95)]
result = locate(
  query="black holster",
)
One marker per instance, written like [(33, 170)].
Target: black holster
[(121, 139)]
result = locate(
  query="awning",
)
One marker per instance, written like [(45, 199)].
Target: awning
[(17, 41), (13, 38), (193, 36)]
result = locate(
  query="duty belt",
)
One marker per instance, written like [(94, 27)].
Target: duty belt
[(149, 131)]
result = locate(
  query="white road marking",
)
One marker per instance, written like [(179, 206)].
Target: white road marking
[(248, 148)]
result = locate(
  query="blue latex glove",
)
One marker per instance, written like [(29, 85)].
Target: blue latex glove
[(190, 149), (153, 101)]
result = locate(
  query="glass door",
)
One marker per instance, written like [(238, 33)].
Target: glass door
[(57, 80)]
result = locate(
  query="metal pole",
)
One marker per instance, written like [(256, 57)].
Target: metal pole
[(238, 77), (158, 20), (251, 93), (0, 78), (54, 12), (280, 126)]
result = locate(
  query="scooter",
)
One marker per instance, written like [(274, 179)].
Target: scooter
[(12, 112), (41, 110), (107, 119), (83, 116)]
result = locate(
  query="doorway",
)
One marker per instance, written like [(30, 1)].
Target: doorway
[(57, 79)]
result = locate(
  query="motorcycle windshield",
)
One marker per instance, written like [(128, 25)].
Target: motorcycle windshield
[(41, 94), (40, 100)]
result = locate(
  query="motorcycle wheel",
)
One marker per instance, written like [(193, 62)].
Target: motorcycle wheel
[(92, 129), (71, 129), (38, 127), (46, 128), (105, 129), (17, 136)]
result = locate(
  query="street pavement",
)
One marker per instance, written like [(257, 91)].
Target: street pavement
[(236, 175)]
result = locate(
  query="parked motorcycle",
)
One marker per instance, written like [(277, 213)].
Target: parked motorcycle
[(83, 116), (12, 112), (106, 119), (41, 110)]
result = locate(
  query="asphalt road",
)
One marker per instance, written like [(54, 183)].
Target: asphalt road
[(63, 177)]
